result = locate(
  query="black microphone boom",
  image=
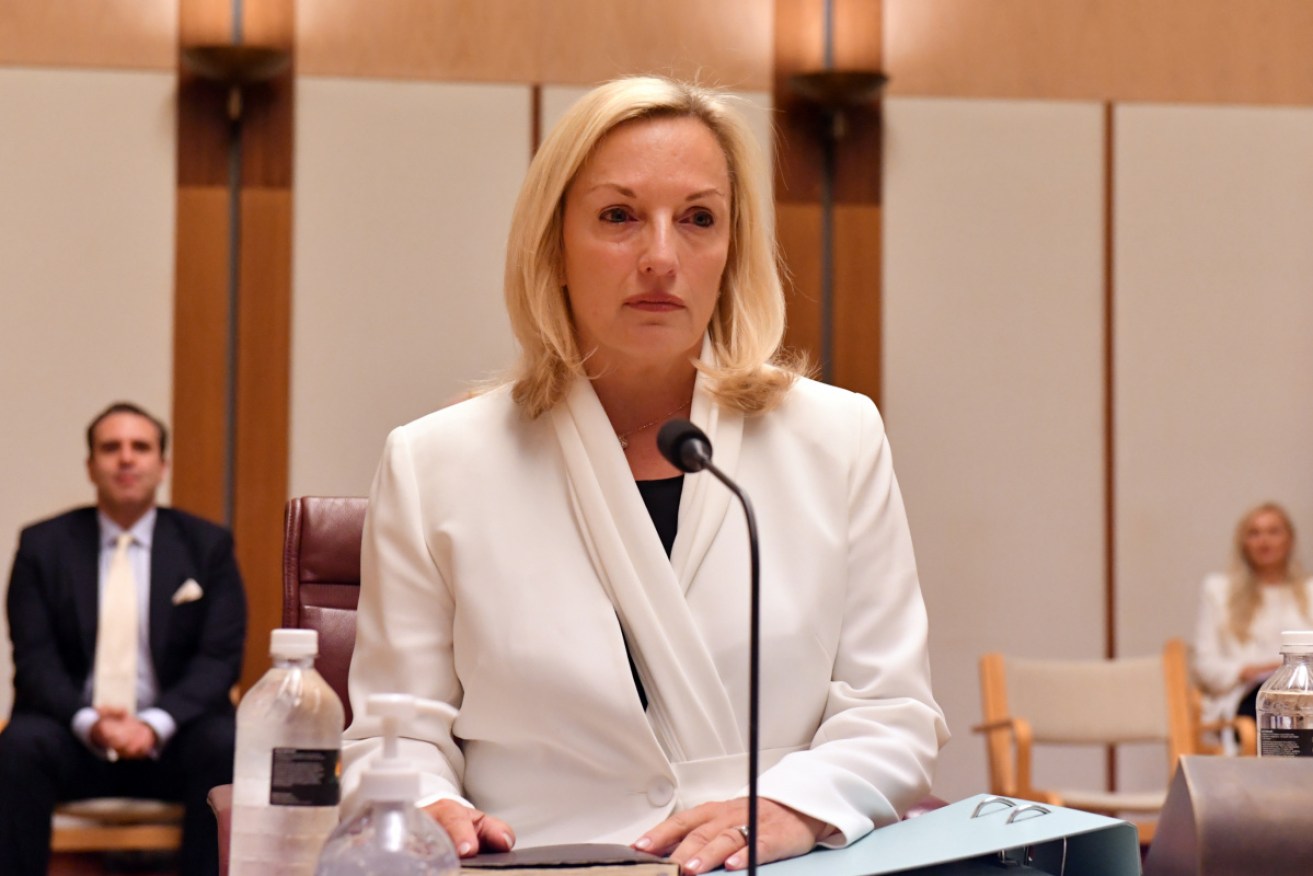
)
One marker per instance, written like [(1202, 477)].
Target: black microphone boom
[(688, 449)]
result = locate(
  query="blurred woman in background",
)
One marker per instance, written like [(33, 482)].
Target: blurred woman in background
[(1242, 614)]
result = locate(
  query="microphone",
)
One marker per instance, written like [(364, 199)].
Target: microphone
[(688, 449)]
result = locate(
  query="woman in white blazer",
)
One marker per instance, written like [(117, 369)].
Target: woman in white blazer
[(1242, 614), (533, 563)]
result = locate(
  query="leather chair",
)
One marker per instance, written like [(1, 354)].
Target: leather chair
[(321, 579), (321, 587)]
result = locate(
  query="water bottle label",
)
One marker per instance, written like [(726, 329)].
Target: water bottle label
[(306, 777), (1285, 743)]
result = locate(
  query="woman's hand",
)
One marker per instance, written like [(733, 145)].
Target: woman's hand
[(471, 831), (1256, 671), (708, 836)]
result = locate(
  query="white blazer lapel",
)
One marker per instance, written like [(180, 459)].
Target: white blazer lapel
[(705, 501), (688, 706)]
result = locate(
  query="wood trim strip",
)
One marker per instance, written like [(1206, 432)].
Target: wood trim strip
[(1109, 412), (1109, 385)]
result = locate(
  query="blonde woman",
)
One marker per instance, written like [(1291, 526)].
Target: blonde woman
[(1242, 614), (531, 561)]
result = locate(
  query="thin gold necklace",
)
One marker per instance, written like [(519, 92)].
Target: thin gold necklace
[(623, 437)]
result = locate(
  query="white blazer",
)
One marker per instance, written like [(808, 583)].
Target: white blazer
[(503, 556), (1219, 658)]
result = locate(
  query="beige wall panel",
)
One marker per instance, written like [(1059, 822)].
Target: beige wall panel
[(561, 41), (1211, 51), (993, 388), (89, 33), (86, 277), (1214, 280), (403, 200)]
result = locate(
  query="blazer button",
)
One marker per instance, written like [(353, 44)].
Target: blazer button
[(660, 791)]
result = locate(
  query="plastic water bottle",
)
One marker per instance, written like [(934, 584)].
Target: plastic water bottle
[(1285, 701), (288, 765), (390, 835)]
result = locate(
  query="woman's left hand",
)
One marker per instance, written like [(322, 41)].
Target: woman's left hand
[(708, 836)]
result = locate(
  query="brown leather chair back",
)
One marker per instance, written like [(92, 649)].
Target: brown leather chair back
[(321, 579)]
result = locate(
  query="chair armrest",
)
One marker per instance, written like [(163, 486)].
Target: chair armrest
[(221, 803), (1246, 731), (997, 724)]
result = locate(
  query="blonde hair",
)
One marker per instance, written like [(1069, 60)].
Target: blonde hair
[(748, 322), (1245, 586)]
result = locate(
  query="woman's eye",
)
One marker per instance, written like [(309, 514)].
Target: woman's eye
[(615, 214), (702, 218)]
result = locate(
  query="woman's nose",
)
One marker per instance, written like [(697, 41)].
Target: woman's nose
[(658, 255)]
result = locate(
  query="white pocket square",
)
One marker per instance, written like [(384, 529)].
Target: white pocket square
[(190, 591)]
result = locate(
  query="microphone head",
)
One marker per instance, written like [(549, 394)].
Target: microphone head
[(684, 445)]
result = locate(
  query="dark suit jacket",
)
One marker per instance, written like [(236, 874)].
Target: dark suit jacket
[(196, 647)]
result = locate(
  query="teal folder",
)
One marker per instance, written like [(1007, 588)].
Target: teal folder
[(978, 835)]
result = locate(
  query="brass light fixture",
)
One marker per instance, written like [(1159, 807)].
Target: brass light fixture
[(237, 66)]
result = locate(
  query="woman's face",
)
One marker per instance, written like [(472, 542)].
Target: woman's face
[(1267, 543), (646, 237)]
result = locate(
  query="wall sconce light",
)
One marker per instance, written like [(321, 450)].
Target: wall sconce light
[(835, 91), (236, 66)]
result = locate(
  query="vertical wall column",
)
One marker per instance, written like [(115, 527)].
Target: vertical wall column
[(233, 332), (854, 310)]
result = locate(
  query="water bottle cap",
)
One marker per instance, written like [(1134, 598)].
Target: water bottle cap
[(1297, 641), (292, 644)]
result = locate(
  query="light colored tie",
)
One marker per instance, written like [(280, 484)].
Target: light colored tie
[(116, 634)]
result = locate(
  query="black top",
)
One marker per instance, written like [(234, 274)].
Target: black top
[(662, 500)]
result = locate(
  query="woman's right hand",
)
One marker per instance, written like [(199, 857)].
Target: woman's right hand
[(471, 831)]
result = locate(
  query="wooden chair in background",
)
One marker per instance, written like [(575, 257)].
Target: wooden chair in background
[(1030, 702)]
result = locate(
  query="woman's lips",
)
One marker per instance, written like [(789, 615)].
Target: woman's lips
[(654, 302)]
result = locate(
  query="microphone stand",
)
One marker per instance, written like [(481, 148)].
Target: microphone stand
[(754, 660)]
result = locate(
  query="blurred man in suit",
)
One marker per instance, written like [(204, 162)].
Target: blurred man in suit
[(152, 718)]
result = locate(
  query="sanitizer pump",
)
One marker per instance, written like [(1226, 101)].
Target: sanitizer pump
[(390, 834)]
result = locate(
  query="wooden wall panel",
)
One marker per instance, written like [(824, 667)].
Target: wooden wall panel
[(805, 131), (796, 227), (200, 351), (262, 411), (1212, 51), (563, 41), (726, 43), (476, 40), (132, 34), (857, 311)]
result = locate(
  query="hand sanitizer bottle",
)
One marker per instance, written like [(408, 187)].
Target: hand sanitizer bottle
[(389, 835)]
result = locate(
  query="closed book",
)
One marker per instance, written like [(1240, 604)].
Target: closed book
[(584, 859)]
